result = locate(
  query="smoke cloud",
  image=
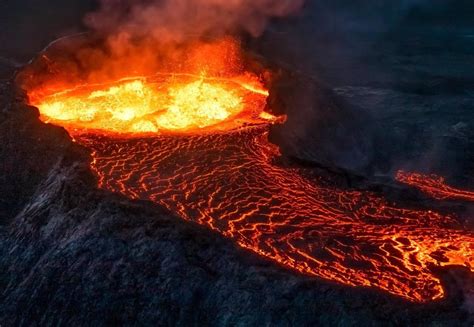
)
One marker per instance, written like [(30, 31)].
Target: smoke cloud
[(143, 37), (181, 20)]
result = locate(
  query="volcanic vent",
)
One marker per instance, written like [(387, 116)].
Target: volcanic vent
[(196, 142)]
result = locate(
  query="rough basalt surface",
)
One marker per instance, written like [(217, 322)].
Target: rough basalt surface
[(71, 254)]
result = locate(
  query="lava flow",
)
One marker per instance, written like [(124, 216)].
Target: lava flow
[(198, 146), (434, 186)]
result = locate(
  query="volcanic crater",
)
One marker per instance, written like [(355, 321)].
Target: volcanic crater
[(197, 144)]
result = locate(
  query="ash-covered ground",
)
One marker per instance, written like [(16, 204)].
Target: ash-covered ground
[(402, 76)]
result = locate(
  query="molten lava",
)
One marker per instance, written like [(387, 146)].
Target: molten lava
[(434, 186), (158, 104), (197, 144)]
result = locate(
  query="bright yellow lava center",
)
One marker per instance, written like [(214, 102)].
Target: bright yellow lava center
[(199, 104), (138, 106)]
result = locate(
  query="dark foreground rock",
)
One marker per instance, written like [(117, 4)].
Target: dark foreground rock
[(74, 255), (320, 127)]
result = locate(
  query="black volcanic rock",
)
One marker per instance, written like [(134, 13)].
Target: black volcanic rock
[(29, 149), (319, 126), (71, 254)]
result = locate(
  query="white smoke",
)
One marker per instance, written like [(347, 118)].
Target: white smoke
[(180, 20)]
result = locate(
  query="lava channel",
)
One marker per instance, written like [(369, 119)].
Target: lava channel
[(199, 147), (434, 186)]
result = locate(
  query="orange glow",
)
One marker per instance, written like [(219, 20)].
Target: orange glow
[(180, 103), (434, 186), (194, 139), (229, 183), (195, 88)]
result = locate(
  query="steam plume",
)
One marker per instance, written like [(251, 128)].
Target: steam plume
[(180, 20), (143, 37)]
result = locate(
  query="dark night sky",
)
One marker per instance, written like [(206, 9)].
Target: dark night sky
[(27, 25)]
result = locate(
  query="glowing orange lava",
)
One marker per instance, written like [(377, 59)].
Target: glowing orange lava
[(228, 182), (197, 145), (434, 186), (158, 104)]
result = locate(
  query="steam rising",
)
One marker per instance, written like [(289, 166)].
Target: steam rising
[(181, 20)]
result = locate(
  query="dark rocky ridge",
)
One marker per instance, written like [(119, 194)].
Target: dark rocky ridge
[(408, 64), (320, 127), (72, 254)]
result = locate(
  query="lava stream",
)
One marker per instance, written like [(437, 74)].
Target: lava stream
[(434, 186), (228, 183), (218, 170)]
